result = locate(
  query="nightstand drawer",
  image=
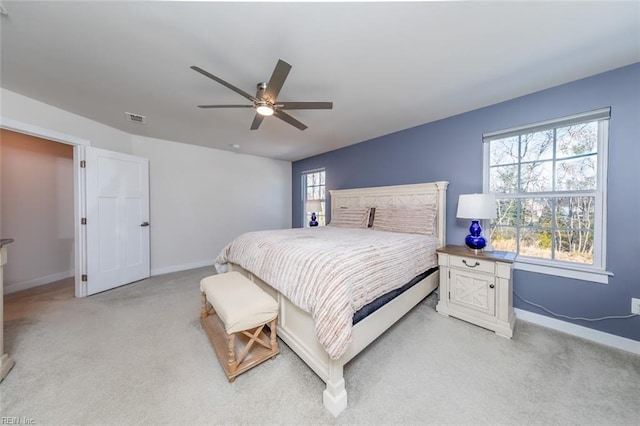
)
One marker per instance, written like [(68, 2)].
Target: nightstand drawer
[(472, 264)]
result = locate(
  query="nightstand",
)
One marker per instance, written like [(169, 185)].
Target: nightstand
[(477, 287)]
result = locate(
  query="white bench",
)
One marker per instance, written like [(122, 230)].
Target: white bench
[(234, 314)]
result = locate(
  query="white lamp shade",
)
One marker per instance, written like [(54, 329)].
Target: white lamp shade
[(314, 206), (477, 206)]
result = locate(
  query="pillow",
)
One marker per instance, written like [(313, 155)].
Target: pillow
[(407, 219), (350, 217)]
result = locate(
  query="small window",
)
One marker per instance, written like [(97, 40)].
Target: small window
[(549, 180), (313, 189)]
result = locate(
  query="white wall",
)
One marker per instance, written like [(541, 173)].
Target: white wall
[(36, 113), (201, 198), (37, 209)]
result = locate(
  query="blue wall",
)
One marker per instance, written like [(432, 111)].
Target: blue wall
[(451, 149)]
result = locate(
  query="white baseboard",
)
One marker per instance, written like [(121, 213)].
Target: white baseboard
[(12, 288), (601, 337), (183, 267)]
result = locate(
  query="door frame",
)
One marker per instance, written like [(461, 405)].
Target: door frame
[(79, 185)]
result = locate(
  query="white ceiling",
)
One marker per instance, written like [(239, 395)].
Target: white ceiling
[(385, 66)]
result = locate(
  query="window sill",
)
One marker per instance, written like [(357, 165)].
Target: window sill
[(575, 272)]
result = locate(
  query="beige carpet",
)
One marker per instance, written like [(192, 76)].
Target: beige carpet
[(137, 355)]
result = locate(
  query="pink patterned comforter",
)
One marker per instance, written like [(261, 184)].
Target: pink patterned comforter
[(332, 272)]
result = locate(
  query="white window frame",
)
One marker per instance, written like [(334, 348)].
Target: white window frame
[(596, 272), (303, 197)]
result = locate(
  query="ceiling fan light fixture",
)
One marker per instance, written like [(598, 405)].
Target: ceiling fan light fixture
[(265, 102), (264, 109)]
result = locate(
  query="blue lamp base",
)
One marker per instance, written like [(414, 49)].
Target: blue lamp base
[(313, 221), (475, 240)]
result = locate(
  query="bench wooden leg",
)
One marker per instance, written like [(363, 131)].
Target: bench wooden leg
[(274, 341), (206, 308), (233, 364)]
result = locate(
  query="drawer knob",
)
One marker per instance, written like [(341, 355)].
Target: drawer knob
[(470, 266), (491, 286)]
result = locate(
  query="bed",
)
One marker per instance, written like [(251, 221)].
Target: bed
[(316, 330)]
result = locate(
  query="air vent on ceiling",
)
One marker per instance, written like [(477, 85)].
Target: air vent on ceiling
[(135, 118)]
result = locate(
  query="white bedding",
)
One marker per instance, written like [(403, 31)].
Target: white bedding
[(332, 272)]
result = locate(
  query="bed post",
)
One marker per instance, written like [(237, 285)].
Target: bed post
[(442, 215), (334, 396)]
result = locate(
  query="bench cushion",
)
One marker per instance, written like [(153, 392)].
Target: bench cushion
[(240, 304)]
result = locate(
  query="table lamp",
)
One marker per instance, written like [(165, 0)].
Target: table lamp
[(476, 207), (314, 206)]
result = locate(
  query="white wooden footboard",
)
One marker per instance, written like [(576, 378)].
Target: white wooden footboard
[(297, 330)]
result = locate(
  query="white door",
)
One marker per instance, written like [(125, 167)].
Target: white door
[(117, 219)]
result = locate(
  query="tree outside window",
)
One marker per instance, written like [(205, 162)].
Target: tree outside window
[(546, 181)]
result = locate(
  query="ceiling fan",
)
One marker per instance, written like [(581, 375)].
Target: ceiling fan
[(265, 101)]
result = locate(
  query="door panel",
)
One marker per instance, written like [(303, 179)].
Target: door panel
[(117, 197), (475, 291), (106, 217), (134, 217)]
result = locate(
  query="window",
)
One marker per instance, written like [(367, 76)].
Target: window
[(313, 188), (549, 179)]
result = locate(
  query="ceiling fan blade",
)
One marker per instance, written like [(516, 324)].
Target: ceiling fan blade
[(289, 119), (276, 81), (225, 106), (305, 105), (257, 120), (224, 83)]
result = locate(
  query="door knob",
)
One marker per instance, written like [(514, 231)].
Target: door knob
[(144, 224)]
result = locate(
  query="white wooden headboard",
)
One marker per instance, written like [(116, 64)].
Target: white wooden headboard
[(398, 195)]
